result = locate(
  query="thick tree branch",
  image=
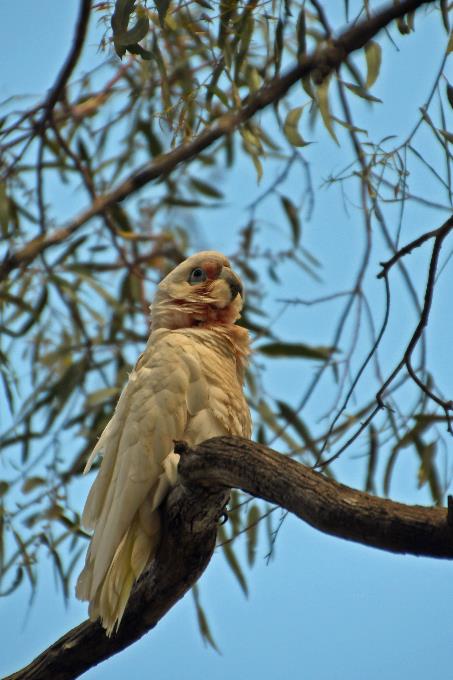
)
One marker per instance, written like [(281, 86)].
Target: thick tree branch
[(329, 506), (323, 61), (190, 520), (190, 529)]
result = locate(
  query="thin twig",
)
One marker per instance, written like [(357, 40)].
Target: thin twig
[(446, 405), (416, 243), (68, 67), (356, 380)]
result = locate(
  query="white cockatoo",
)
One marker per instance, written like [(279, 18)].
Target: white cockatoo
[(187, 385)]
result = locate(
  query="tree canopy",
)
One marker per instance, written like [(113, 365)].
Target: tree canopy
[(234, 123)]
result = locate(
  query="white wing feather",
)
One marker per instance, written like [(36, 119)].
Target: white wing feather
[(186, 386), (163, 392)]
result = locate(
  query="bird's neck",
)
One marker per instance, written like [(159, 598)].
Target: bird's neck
[(235, 339), (238, 340)]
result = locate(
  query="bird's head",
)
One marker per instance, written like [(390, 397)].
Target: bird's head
[(201, 291)]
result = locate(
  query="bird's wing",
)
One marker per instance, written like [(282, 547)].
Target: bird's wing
[(227, 411), (163, 391)]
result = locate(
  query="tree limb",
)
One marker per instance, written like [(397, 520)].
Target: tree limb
[(328, 57), (190, 523), (329, 506), (190, 519)]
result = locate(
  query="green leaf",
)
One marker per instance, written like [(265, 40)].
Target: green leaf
[(270, 420), (403, 26), (258, 167), (322, 97), (58, 565), (120, 216), (246, 33), (121, 14), (214, 90), (202, 620), (427, 472), (426, 116), (252, 522), (232, 560), (308, 87), (205, 188), (278, 46), (138, 49), (348, 126), (153, 141), (447, 135), (70, 250), (373, 447), (430, 418), (293, 218), (295, 350), (373, 55), (294, 420), (234, 513), (35, 315), (450, 94), (301, 34), (124, 37), (4, 209), (290, 127), (360, 92), (165, 89), (450, 43), (408, 439), (444, 8), (15, 584), (27, 560), (32, 483), (162, 9)]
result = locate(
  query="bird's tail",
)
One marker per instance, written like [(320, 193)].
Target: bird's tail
[(107, 586), (137, 547)]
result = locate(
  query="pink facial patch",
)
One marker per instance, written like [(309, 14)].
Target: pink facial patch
[(212, 269)]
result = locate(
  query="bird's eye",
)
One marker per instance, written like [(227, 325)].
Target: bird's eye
[(198, 275)]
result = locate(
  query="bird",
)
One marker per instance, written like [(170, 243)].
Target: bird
[(187, 385)]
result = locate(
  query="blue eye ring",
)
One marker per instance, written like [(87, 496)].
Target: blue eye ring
[(197, 275)]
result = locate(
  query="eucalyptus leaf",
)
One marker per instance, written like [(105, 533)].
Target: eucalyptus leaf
[(295, 350), (373, 54)]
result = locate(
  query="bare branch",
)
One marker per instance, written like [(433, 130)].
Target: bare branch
[(447, 405), (439, 235), (416, 243), (70, 63)]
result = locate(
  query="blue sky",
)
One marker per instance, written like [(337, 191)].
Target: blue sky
[(323, 608)]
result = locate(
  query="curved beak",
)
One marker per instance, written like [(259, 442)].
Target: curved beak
[(233, 281)]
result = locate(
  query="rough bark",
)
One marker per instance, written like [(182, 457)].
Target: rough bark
[(191, 516), (329, 506), (190, 520)]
